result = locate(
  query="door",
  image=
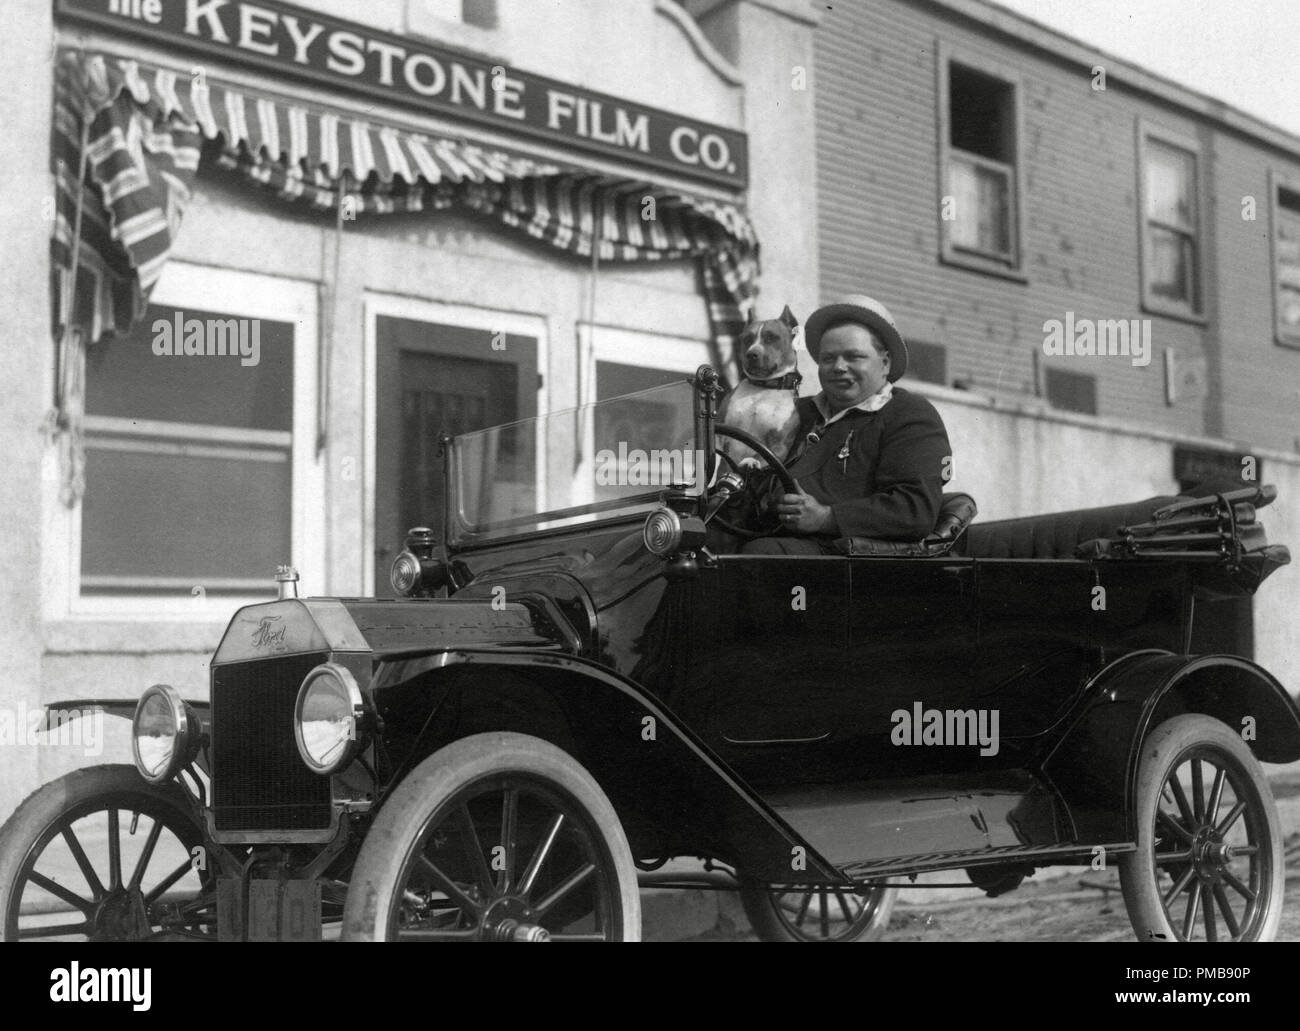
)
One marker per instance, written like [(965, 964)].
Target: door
[(432, 379), (773, 640), (913, 641)]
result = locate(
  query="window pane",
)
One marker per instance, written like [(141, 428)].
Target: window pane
[(126, 378), (1171, 186), (1170, 272), (197, 518), (982, 210), (981, 114), (1287, 248), (614, 379)]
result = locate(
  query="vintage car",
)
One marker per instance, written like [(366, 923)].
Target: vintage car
[(579, 679)]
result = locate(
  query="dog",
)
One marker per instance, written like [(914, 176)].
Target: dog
[(763, 403)]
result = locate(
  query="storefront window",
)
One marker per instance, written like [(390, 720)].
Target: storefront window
[(189, 455), (202, 472)]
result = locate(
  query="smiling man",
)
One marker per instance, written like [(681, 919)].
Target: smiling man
[(872, 458)]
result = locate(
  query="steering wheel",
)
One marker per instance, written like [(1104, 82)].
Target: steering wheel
[(771, 461)]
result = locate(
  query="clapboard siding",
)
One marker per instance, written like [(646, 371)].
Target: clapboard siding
[(877, 110), (1261, 381)]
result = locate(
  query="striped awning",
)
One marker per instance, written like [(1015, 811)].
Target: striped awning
[(129, 137)]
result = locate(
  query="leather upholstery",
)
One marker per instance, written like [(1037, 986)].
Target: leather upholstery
[(955, 514), (1055, 535)]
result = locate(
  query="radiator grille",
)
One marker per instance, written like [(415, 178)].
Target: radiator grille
[(259, 782)]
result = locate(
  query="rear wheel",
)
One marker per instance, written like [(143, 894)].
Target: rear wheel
[(1208, 864), (496, 837), (101, 854), (819, 914)]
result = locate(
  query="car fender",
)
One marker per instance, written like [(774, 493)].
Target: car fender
[(670, 791), (122, 708), (1094, 765)]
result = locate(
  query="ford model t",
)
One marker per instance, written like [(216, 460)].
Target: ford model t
[(578, 679)]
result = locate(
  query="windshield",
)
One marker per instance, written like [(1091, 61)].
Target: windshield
[(568, 467)]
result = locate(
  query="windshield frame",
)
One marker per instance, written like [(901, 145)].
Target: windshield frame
[(461, 533)]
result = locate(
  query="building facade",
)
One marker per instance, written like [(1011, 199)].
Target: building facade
[(993, 176), (402, 216), (290, 244)]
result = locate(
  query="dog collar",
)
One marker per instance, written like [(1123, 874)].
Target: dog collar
[(790, 381)]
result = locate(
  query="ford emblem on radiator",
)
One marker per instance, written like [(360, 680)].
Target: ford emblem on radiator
[(270, 635)]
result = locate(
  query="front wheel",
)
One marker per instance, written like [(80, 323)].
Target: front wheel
[(496, 837), (819, 914), (101, 854), (1208, 864)]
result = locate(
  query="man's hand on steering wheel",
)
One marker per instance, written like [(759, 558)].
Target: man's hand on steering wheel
[(803, 513)]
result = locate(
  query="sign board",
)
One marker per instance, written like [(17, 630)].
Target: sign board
[(1225, 470), (293, 42)]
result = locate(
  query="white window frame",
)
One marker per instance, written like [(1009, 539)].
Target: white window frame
[(420, 310), (1151, 132), (236, 294), (1010, 266), (616, 344)]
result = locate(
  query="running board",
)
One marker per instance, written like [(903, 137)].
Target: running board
[(937, 861), (933, 823)]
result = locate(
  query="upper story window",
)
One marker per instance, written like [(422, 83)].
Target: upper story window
[(979, 148), (1171, 224), (1286, 263)]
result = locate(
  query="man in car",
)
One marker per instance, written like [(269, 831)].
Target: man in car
[(870, 459)]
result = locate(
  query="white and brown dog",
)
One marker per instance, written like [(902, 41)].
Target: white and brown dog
[(763, 403)]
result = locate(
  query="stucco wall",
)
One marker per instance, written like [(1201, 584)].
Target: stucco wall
[(25, 369)]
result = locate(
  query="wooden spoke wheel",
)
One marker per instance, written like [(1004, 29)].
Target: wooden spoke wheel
[(497, 837), (103, 855), (1208, 865), (819, 914)]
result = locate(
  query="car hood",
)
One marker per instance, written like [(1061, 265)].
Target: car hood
[(381, 627)]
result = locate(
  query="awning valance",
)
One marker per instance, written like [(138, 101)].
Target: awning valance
[(134, 135)]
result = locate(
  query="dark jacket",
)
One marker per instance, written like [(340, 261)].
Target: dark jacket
[(891, 483)]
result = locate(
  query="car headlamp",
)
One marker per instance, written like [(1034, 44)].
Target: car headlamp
[(329, 719), (415, 570), (164, 734)]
